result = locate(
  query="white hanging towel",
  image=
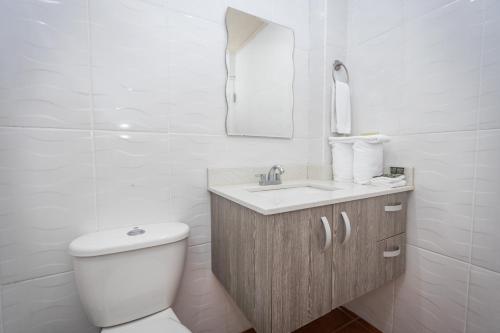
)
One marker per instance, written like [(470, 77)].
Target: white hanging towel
[(341, 108)]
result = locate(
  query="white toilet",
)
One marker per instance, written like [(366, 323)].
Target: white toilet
[(127, 278)]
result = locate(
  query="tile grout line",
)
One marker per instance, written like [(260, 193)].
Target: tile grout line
[(325, 81), (92, 118), (44, 276), (159, 132), (474, 177)]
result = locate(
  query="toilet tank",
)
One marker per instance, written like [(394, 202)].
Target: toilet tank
[(129, 273)]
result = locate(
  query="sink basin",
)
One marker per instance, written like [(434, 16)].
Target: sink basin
[(290, 192)]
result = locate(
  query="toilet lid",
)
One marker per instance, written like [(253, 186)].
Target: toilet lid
[(149, 325)]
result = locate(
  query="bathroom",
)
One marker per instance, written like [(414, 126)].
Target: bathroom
[(112, 111)]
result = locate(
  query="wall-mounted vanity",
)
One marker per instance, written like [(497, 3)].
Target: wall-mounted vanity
[(290, 253)]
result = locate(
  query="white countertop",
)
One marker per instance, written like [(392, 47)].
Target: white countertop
[(274, 203)]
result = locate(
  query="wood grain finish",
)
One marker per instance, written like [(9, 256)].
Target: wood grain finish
[(390, 223), (241, 248), (301, 281), (355, 260), (276, 270), (391, 268)]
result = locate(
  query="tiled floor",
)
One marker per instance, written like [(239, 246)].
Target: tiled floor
[(340, 320)]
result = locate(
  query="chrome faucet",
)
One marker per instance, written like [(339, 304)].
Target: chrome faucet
[(273, 176)]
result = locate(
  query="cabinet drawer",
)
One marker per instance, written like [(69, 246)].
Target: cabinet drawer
[(391, 258), (390, 213)]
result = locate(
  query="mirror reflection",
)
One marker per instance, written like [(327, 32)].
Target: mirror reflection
[(259, 87)]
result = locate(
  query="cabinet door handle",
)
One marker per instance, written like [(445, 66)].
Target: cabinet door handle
[(328, 233), (393, 208), (347, 225), (393, 253)]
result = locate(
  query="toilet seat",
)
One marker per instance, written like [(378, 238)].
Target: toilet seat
[(161, 322)]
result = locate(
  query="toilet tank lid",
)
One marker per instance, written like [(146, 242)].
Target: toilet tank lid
[(127, 239)]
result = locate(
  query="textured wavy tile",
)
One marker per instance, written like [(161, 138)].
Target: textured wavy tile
[(301, 94), (294, 14), (47, 199), (417, 8), (485, 245), (431, 296), (214, 10), (48, 304), (440, 208), (484, 301), (190, 158), (317, 96), (202, 304), (376, 307), (130, 64), (264, 152), (261, 8), (133, 178), (377, 90), (45, 79), (489, 116), (197, 75), (442, 56), (336, 20), (1, 316), (369, 18)]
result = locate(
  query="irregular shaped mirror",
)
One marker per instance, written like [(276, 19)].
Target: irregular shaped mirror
[(259, 87)]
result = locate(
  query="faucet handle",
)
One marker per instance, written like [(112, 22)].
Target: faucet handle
[(262, 178)]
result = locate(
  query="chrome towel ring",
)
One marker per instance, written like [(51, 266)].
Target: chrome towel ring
[(337, 66)]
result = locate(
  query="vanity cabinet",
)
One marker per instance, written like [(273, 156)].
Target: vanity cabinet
[(301, 268), (285, 270), (368, 245)]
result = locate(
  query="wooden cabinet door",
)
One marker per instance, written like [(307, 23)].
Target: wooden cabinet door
[(302, 268), (355, 251)]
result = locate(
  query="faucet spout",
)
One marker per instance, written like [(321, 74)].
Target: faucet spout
[(274, 175)]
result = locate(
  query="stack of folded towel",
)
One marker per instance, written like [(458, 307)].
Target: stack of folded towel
[(390, 182)]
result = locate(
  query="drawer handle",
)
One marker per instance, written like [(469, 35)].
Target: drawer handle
[(347, 224), (328, 233), (393, 253), (393, 208)]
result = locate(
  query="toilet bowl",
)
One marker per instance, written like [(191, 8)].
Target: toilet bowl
[(127, 278)]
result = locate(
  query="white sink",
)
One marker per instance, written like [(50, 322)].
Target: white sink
[(287, 192)]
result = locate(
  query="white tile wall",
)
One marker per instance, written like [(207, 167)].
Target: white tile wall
[(202, 301), (47, 198), (130, 58), (44, 64), (440, 209), (43, 305), (431, 296), (438, 111), (197, 75), (485, 244), (442, 57), (1, 317), (368, 19), (377, 307), (490, 69), (133, 177), (130, 95), (133, 94), (484, 301)]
